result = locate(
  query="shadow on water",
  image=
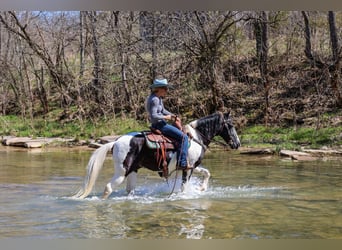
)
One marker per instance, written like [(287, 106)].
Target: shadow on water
[(248, 197)]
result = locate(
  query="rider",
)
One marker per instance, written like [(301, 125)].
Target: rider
[(158, 116)]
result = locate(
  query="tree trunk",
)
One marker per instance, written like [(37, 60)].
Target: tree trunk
[(307, 35), (154, 50), (335, 47), (261, 36), (97, 65), (81, 44), (41, 90), (316, 62), (336, 69)]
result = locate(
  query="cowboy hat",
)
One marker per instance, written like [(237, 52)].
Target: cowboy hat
[(159, 83)]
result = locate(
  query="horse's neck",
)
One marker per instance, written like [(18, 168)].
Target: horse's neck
[(189, 129), (199, 135), (206, 128)]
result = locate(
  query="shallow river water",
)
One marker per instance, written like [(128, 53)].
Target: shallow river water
[(249, 197)]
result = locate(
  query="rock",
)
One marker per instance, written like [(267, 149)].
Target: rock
[(291, 153), (33, 144), (296, 155), (257, 151), (15, 141), (28, 142), (323, 152), (303, 158)]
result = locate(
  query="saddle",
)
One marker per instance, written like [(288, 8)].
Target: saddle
[(155, 140)]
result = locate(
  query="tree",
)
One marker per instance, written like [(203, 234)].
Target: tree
[(97, 84), (58, 73), (336, 58), (333, 69), (208, 40), (261, 37), (308, 48)]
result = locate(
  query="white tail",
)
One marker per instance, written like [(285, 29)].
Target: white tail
[(93, 169)]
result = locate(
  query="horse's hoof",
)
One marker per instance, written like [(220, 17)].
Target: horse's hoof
[(202, 188), (130, 193), (105, 195)]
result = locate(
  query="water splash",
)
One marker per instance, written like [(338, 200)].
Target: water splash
[(156, 192)]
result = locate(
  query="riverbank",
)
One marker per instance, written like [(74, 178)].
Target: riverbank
[(29, 143)]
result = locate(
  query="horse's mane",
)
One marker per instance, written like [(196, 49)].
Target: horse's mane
[(208, 126)]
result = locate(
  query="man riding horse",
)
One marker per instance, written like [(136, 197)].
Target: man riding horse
[(131, 151), (159, 115)]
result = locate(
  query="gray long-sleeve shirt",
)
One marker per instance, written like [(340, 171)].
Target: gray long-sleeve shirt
[(155, 108)]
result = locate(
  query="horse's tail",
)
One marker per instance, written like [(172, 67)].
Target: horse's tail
[(93, 169)]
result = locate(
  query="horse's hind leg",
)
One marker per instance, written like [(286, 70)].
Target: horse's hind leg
[(206, 174), (117, 179)]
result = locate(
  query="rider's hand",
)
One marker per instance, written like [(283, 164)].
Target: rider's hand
[(169, 117)]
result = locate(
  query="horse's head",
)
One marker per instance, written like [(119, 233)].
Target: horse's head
[(228, 132)]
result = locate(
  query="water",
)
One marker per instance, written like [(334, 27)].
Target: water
[(249, 197)]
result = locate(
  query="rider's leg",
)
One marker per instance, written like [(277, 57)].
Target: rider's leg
[(182, 140)]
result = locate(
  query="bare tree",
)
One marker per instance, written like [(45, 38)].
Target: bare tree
[(315, 61), (336, 57), (209, 34), (261, 37), (332, 69), (97, 84), (56, 71)]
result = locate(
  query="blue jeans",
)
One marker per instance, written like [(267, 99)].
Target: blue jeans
[(179, 136)]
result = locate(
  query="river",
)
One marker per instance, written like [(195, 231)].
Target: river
[(249, 197)]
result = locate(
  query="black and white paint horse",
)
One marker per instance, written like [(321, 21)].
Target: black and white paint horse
[(131, 153)]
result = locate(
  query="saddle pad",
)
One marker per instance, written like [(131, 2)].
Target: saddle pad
[(154, 141)]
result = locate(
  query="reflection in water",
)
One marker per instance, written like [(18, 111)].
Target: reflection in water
[(196, 220), (248, 197), (149, 214), (102, 220)]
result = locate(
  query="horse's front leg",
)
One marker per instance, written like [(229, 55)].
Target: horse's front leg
[(185, 179), (131, 183), (206, 174)]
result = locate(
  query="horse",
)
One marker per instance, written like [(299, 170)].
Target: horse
[(130, 153)]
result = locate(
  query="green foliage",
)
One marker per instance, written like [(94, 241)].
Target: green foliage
[(291, 138), (38, 127)]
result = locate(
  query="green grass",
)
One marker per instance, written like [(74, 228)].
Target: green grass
[(291, 138), (50, 127)]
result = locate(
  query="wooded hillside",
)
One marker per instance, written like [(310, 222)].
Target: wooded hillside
[(267, 67)]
